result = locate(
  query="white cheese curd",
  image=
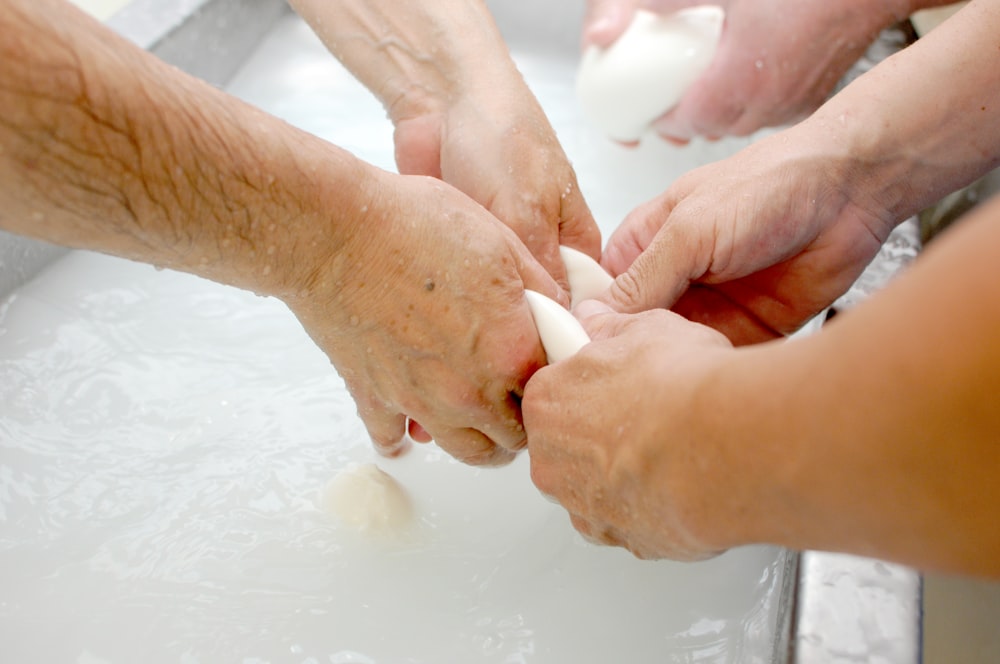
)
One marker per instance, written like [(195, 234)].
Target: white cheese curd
[(561, 334), (587, 279)]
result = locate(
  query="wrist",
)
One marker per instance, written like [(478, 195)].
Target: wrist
[(917, 126), (753, 421), (416, 58), (462, 74), (864, 160), (325, 208)]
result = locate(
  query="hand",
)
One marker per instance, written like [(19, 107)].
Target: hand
[(611, 437), (754, 245), (424, 315), (498, 147), (777, 61), (462, 113)]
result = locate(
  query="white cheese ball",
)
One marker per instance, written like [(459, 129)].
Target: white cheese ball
[(367, 498), (646, 71), (561, 334)]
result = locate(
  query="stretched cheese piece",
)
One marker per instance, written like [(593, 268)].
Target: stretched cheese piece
[(561, 333), (587, 279), (646, 71)]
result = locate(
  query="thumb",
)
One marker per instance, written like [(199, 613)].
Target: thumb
[(661, 272)]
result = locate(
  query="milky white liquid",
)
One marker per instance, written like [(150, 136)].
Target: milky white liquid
[(164, 441)]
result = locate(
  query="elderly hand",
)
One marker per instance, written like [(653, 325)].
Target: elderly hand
[(496, 145), (612, 438), (424, 315), (777, 61)]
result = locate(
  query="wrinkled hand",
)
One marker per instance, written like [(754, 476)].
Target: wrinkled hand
[(612, 438), (423, 313), (497, 147), (754, 245), (777, 61)]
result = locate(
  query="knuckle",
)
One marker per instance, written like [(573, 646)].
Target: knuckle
[(627, 289)]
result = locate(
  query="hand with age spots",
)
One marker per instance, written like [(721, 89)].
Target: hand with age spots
[(413, 290), (611, 438), (430, 322), (777, 61)]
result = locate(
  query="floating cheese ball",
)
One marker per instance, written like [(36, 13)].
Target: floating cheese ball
[(368, 499)]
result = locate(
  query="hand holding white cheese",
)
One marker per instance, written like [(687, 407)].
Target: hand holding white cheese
[(641, 76), (368, 499)]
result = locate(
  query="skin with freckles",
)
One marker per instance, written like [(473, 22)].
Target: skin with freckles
[(777, 61), (878, 435), (757, 244), (438, 335), (413, 290), (462, 113)]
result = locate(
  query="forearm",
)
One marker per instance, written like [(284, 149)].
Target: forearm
[(107, 148), (414, 56), (923, 122), (879, 435)]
